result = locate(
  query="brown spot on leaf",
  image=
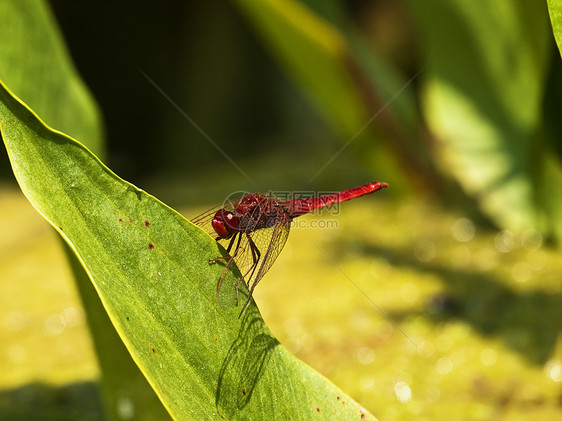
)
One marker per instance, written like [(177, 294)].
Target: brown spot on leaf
[(153, 349), (151, 246), (127, 317), (60, 227), (146, 223), (362, 416), (243, 391), (120, 220), (317, 409)]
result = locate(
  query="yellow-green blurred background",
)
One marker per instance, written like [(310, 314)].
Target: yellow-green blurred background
[(438, 297)]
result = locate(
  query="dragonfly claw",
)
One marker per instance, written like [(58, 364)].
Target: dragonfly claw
[(219, 258)]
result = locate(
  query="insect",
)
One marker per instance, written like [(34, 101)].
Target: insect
[(255, 228)]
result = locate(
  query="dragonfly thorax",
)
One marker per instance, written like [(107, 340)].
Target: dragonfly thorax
[(225, 223)]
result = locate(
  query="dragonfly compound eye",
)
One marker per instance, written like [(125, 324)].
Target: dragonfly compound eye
[(225, 223)]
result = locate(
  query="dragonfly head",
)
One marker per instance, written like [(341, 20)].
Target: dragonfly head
[(225, 223)]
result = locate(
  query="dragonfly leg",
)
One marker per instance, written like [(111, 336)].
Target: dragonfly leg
[(247, 299), (224, 272), (233, 239), (219, 258), (239, 235), (236, 286), (256, 255)]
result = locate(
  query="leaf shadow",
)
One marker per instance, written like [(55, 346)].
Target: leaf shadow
[(34, 401), (244, 364), (527, 322)]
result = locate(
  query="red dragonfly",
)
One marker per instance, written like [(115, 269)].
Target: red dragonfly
[(255, 228)]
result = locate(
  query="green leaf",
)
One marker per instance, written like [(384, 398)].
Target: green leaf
[(314, 52), (485, 73), (150, 268), (555, 12), (35, 65), (363, 98)]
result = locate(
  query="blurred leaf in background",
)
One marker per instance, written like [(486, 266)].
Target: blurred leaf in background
[(485, 73), (367, 101), (551, 174), (36, 65), (555, 11), (486, 67)]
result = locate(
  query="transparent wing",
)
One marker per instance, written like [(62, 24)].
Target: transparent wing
[(253, 252), (227, 287), (227, 295), (204, 220), (270, 242), (253, 256)]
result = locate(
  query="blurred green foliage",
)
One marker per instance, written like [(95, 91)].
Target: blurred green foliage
[(37, 67), (555, 11), (446, 97)]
